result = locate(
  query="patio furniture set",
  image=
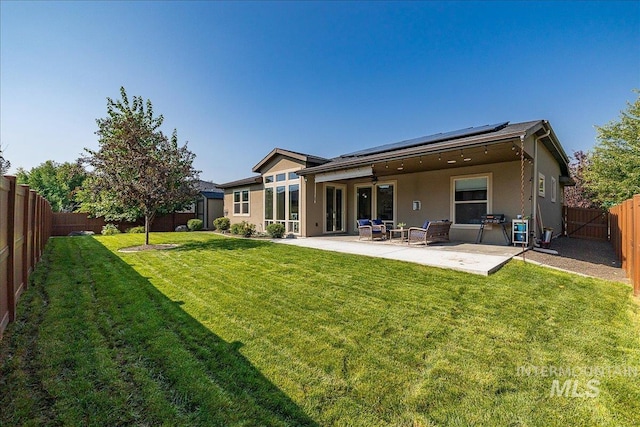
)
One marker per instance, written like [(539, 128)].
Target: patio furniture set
[(430, 232)]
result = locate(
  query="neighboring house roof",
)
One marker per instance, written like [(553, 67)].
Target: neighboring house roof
[(308, 159), (242, 182), (456, 140), (210, 190)]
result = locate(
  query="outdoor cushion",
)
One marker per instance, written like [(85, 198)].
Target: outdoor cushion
[(377, 222), (426, 224), (363, 222)]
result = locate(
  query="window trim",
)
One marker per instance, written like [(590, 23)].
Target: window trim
[(233, 198), (542, 185), (452, 195), (554, 189), (286, 183)]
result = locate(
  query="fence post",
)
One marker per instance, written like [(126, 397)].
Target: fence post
[(634, 273), (11, 241), (25, 238)]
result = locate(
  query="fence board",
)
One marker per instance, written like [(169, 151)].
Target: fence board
[(625, 238), (66, 222), (25, 226), (587, 223)]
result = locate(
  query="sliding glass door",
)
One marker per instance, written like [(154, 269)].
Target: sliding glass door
[(334, 198)]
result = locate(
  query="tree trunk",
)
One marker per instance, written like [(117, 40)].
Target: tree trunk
[(146, 229)]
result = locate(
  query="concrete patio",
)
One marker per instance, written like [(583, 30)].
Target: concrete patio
[(467, 257)]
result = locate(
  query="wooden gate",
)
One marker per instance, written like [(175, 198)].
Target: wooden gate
[(586, 223)]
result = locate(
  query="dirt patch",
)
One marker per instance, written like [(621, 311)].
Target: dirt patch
[(148, 248), (594, 258)]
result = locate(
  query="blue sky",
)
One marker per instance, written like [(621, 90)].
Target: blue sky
[(239, 78)]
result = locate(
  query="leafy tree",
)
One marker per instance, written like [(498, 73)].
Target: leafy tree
[(4, 163), (137, 171), (58, 183), (614, 171), (579, 196)]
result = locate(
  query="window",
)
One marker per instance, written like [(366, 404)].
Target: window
[(280, 203), (282, 200), (268, 203), (554, 190), (384, 202), (241, 202), (541, 187), (471, 198)]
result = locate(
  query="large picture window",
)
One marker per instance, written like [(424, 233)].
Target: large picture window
[(471, 198), (241, 202), (282, 201)]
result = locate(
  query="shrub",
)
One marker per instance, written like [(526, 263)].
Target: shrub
[(194, 224), (110, 229), (275, 230), (243, 228), (222, 223), (136, 230)]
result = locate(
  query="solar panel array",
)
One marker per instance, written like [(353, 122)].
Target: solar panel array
[(431, 139)]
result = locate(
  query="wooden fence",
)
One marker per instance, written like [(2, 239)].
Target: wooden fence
[(625, 237), (25, 227), (586, 223), (65, 223)]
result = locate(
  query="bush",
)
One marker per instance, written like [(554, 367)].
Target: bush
[(275, 230), (222, 223), (243, 228), (194, 224), (109, 230), (136, 230)]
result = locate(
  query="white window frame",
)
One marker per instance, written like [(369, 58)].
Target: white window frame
[(291, 226), (241, 190), (554, 189), (542, 185), (453, 203)]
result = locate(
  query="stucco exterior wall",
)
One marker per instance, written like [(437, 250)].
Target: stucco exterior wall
[(550, 210), (256, 206)]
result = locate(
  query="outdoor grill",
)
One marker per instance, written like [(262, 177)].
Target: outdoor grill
[(493, 219)]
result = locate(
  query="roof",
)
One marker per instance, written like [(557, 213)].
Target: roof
[(210, 190), (442, 142), (242, 182), (219, 194), (308, 159)]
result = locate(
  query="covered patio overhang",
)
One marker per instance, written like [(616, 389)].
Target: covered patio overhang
[(420, 160)]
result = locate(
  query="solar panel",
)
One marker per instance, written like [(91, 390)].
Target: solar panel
[(431, 139)]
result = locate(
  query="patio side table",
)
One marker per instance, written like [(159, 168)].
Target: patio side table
[(403, 232)]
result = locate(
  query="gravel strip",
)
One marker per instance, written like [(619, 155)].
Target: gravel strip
[(594, 258)]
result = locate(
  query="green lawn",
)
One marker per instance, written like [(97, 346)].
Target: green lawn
[(224, 331)]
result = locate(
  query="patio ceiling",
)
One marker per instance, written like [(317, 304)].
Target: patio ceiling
[(479, 155)]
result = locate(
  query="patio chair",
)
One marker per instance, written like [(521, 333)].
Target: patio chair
[(371, 229), (431, 231)]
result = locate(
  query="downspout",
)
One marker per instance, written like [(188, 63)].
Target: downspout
[(535, 182)]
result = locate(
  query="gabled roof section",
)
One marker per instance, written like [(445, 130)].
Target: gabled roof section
[(209, 189), (242, 182), (308, 159)]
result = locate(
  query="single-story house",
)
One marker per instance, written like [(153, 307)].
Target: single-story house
[(511, 169)]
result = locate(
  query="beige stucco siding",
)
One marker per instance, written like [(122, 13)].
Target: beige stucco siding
[(551, 211), (256, 206), (279, 164), (314, 208)]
